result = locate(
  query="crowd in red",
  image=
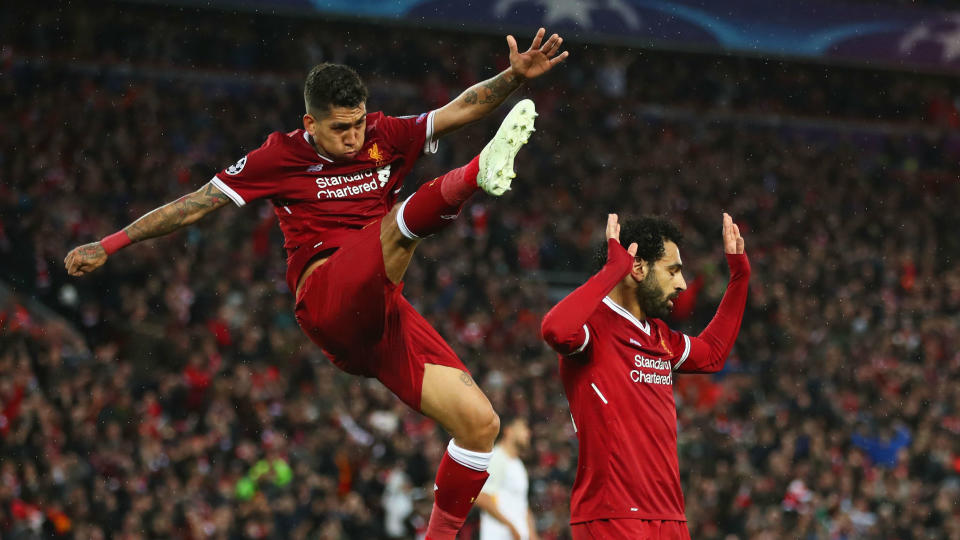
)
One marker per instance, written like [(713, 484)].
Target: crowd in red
[(193, 407)]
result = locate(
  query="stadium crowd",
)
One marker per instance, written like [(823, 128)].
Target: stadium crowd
[(201, 411), (247, 43)]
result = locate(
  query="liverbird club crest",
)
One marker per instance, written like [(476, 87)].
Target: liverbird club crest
[(375, 154)]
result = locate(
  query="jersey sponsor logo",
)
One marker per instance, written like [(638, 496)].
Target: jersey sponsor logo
[(647, 368), (235, 169), (347, 185), (315, 168)]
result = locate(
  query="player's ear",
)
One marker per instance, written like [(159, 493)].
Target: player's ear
[(309, 123), (639, 270)]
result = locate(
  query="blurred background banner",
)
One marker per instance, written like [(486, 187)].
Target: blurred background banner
[(890, 35)]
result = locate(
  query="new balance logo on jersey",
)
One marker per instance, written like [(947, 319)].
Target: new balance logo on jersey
[(315, 168)]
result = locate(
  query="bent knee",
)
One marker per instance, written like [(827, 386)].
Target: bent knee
[(479, 429)]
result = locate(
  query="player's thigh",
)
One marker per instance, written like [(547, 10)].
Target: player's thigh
[(408, 359), (342, 303), (397, 248), (451, 397)]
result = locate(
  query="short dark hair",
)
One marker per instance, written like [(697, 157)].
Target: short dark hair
[(649, 232), (332, 85)]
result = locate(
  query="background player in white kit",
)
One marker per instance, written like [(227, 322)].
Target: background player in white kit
[(504, 500)]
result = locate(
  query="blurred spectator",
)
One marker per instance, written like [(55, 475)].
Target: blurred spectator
[(838, 414)]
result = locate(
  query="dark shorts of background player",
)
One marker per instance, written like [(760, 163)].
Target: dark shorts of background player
[(634, 529), (363, 323)]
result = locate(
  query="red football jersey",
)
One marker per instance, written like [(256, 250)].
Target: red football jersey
[(620, 389), (317, 200)]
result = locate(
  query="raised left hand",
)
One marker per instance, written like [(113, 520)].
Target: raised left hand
[(538, 59)]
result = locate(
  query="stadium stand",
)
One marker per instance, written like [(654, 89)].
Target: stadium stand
[(195, 408)]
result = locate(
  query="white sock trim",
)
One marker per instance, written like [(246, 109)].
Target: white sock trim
[(404, 230), (478, 461)]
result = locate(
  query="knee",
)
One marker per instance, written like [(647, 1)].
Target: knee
[(480, 427)]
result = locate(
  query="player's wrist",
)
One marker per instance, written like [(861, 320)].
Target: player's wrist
[(115, 242), (739, 264), (511, 75), (618, 255)]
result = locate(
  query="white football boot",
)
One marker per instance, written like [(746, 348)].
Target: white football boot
[(496, 159)]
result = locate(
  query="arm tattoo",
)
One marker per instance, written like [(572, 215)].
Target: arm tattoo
[(492, 91), (465, 379), (91, 251), (179, 213)]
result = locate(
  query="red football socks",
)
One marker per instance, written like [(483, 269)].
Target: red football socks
[(457, 487), (436, 204)]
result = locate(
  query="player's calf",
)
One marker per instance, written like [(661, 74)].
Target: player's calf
[(436, 204), (451, 397)]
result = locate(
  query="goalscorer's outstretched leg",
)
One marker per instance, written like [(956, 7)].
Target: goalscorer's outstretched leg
[(437, 203)]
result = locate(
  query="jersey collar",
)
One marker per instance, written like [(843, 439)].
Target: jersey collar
[(644, 326)]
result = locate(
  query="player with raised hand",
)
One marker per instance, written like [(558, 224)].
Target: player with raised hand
[(617, 362), (334, 185)]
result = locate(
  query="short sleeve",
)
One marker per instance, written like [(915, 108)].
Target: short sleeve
[(253, 177), (410, 135)]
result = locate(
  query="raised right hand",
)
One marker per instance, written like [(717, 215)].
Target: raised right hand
[(85, 259), (613, 231)]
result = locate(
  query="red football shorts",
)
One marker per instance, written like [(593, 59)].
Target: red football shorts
[(633, 529), (363, 323)]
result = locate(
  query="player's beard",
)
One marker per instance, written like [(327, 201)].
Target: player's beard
[(651, 299)]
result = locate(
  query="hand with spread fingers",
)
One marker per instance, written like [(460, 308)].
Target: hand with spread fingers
[(538, 59)]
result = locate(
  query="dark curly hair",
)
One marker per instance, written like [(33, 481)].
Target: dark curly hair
[(332, 85), (648, 232)]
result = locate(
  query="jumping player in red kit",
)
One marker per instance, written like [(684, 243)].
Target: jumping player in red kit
[(334, 185), (617, 362)]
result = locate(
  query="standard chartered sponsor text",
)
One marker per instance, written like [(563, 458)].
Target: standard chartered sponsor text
[(643, 363), (335, 187)]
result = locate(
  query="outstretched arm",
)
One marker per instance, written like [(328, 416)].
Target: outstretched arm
[(164, 220), (482, 98), (709, 350), (564, 326)]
